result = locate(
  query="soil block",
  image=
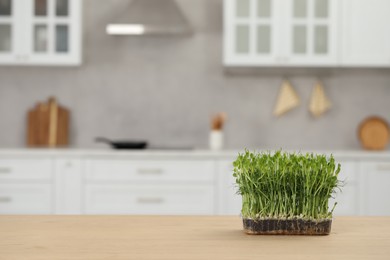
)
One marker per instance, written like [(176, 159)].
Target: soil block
[(287, 226)]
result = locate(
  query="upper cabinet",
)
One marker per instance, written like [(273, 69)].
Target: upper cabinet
[(366, 34), (280, 33), (303, 33), (310, 30), (7, 30), (40, 32), (252, 32)]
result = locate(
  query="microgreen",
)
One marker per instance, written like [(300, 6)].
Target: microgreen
[(284, 185)]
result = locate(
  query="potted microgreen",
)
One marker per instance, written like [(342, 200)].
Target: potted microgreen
[(286, 193)]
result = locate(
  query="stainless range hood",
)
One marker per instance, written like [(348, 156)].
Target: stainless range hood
[(151, 17)]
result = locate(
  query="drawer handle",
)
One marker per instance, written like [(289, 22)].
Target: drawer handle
[(5, 170), (150, 200), (5, 199), (383, 167), (150, 171)]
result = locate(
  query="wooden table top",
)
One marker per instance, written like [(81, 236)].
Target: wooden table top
[(179, 237)]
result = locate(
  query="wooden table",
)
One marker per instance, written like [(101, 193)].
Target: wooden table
[(159, 237)]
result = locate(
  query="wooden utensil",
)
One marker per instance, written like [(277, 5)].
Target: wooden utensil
[(217, 121), (374, 133)]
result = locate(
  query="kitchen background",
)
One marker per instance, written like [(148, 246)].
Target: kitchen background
[(164, 89)]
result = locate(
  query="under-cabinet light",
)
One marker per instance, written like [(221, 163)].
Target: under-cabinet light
[(125, 29)]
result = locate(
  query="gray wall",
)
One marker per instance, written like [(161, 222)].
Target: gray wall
[(164, 89)]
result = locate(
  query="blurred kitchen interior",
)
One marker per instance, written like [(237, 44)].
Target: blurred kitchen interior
[(299, 75), (164, 89)]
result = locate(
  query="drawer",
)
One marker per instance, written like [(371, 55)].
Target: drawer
[(150, 170), (150, 199), (25, 199), (25, 169)]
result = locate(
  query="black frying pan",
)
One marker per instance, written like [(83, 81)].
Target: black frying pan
[(122, 144)]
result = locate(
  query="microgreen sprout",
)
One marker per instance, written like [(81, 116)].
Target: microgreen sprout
[(284, 185)]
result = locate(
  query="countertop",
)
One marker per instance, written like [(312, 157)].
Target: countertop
[(182, 237), (200, 154)]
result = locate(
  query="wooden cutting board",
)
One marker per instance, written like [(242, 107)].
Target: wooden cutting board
[(48, 125), (374, 133)]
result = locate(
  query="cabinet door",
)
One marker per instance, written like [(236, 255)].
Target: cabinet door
[(366, 34), (375, 188), (347, 198), (229, 201), (311, 31), (252, 32), (52, 32), (10, 29), (68, 186)]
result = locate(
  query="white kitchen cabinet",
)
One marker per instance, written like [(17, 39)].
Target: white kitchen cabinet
[(8, 31), (252, 32), (26, 185), (229, 201), (68, 183), (111, 182), (374, 186), (40, 32), (151, 186), (365, 33), (311, 31), (348, 197), (281, 33), (307, 33)]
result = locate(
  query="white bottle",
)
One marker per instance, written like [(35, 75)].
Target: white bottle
[(216, 140)]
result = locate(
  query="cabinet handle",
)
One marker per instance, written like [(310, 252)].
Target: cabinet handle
[(5, 199), (150, 200), (5, 170), (150, 171), (383, 167)]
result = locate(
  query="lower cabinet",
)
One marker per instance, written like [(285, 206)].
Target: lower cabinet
[(163, 185), (347, 197), (229, 200), (69, 185), (375, 188), (149, 186), (149, 199), (26, 185)]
